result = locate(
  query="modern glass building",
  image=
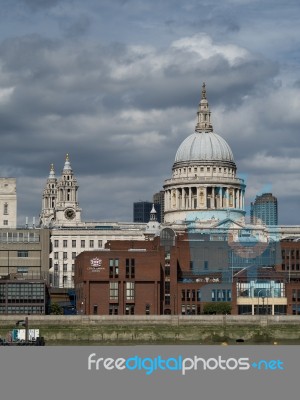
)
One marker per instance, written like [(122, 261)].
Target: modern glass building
[(264, 209), (141, 211)]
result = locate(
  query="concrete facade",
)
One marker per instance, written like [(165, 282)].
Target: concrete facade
[(68, 242), (25, 252)]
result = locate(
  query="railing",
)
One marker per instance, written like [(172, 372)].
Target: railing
[(204, 179)]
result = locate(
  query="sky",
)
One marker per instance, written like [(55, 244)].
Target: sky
[(116, 85)]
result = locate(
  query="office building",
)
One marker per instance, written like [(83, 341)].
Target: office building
[(141, 211), (264, 210), (159, 203), (25, 252)]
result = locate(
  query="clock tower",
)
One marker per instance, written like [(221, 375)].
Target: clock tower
[(67, 207)]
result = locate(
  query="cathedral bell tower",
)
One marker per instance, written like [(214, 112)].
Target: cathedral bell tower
[(47, 215), (67, 207)]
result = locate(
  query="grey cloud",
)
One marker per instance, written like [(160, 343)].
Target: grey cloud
[(100, 102), (76, 28), (40, 4)]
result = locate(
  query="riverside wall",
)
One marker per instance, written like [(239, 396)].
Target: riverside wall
[(165, 329)]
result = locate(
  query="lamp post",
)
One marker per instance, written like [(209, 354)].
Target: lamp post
[(263, 297), (263, 301)]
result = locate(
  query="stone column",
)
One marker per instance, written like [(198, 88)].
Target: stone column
[(190, 198), (177, 199), (212, 205), (221, 197), (183, 198)]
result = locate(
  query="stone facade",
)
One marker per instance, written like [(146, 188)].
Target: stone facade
[(8, 203), (204, 185)]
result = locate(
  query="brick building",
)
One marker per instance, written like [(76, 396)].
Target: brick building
[(173, 274), (179, 273)]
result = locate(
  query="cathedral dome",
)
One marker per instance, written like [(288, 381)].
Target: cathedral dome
[(204, 146)]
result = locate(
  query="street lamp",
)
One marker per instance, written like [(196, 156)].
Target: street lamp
[(263, 301)]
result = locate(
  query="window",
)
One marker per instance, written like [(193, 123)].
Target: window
[(167, 300), (129, 290), (113, 290), (129, 309), (147, 309), (193, 294), (198, 294), (167, 287), (56, 255), (73, 255), (56, 243), (65, 243), (91, 243), (22, 270), (95, 309), (113, 309), (65, 255), (114, 268), (65, 280), (99, 243), (82, 244), (130, 267), (5, 222), (73, 243), (22, 253), (65, 267), (5, 209)]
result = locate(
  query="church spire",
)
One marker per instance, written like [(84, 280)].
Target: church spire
[(153, 214), (203, 114), (52, 172), (67, 166)]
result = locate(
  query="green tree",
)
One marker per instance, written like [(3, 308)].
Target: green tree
[(217, 308), (56, 309)]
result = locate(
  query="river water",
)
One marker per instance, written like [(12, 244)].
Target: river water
[(180, 343)]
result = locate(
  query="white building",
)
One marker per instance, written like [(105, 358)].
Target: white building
[(8, 203), (204, 185)]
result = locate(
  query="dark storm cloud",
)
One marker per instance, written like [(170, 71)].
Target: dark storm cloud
[(40, 4), (71, 97), (117, 87), (76, 28)]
